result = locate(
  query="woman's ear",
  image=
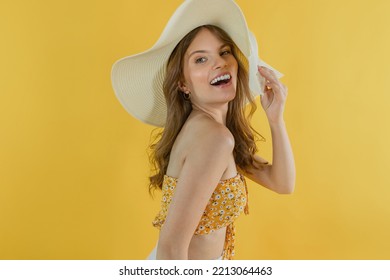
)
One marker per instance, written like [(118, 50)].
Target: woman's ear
[(183, 87)]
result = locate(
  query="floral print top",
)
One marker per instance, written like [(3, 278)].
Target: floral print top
[(228, 201)]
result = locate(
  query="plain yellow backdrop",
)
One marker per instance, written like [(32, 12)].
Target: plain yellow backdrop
[(74, 166)]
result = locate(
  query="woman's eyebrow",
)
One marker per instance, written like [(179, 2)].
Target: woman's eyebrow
[(224, 45), (198, 51)]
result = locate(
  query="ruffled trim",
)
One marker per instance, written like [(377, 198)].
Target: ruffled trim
[(228, 248)]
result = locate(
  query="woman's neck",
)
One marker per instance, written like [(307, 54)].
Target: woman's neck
[(218, 114)]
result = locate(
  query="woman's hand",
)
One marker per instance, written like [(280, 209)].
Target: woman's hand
[(275, 94)]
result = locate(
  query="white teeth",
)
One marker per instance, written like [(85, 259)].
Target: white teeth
[(223, 77)]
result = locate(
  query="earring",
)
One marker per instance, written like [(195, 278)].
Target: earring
[(186, 95)]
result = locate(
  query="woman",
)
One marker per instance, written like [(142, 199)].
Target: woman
[(207, 146)]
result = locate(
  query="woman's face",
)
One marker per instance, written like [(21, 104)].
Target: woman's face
[(210, 70)]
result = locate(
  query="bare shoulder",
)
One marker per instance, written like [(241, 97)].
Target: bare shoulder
[(200, 139), (205, 131)]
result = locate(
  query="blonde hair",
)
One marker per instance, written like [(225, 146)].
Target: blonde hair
[(178, 110)]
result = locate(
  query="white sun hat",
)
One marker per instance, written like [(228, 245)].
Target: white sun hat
[(138, 79)]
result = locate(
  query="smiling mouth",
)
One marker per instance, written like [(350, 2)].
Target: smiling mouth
[(221, 80)]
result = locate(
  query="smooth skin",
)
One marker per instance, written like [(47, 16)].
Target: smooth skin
[(202, 154)]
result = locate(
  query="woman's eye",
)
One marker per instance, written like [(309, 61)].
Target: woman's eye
[(200, 60), (226, 52)]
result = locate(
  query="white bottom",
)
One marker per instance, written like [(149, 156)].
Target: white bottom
[(152, 255)]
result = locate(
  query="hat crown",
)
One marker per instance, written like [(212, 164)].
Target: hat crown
[(225, 14)]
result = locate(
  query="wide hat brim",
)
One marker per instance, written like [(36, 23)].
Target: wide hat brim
[(138, 79)]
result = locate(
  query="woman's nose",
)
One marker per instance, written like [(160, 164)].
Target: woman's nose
[(219, 62)]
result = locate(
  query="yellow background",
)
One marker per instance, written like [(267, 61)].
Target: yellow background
[(73, 163)]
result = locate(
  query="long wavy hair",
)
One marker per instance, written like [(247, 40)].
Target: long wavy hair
[(179, 108)]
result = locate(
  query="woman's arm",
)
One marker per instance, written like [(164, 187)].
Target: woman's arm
[(204, 165), (280, 176)]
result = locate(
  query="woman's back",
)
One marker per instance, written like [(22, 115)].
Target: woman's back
[(208, 246), (193, 130)]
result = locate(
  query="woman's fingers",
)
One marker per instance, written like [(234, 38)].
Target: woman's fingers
[(272, 82), (268, 74), (268, 84), (269, 99)]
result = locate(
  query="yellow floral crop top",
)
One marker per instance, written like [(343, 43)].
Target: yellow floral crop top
[(228, 201)]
